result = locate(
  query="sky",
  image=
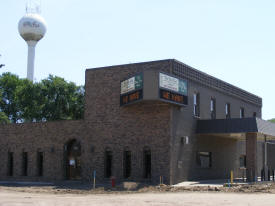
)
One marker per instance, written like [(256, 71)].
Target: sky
[(233, 40)]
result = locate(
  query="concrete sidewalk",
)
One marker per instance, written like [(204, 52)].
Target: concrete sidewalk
[(210, 183)]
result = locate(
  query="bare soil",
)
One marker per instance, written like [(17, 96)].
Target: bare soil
[(132, 187), (11, 197)]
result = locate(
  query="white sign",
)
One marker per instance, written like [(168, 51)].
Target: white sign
[(172, 83), (127, 85), (168, 82), (131, 84)]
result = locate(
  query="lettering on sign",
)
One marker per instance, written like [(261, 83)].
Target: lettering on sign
[(173, 97), (131, 97), (31, 24)]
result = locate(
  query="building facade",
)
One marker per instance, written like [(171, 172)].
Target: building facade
[(141, 123)]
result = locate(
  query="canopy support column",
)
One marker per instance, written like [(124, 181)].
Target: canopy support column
[(251, 157)]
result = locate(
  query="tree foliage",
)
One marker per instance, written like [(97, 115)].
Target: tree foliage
[(3, 118), (51, 99), (272, 120), (8, 84)]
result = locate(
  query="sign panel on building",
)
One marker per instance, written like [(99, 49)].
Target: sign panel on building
[(131, 90), (173, 89)]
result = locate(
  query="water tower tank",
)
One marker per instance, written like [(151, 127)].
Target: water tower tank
[(32, 28)]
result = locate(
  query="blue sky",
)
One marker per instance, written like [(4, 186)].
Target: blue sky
[(231, 40)]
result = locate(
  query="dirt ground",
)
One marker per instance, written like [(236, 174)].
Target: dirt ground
[(134, 194), (133, 187), (8, 198)]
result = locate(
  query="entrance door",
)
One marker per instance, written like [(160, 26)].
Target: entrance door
[(72, 160)]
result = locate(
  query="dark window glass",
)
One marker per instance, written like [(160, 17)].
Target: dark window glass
[(108, 164), (196, 104), (147, 163), (204, 159), (213, 108), (40, 159), (25, 164), (254, 114), (241, 112), (227, 111), (127, 164), (243, 161), (10, 164)]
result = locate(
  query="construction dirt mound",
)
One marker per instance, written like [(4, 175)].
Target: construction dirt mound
[(133, 187)]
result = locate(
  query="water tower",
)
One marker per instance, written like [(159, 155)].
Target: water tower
[(32, 28)]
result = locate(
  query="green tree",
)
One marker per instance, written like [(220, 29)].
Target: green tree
[(63, 100), (4, 118), (272, 120), (30, 101), (8, 84), (77, 108), (51, 99)]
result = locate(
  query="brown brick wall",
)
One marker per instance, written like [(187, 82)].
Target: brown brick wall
[(106, 125), (151, 124), (48, 138), (134, 127)]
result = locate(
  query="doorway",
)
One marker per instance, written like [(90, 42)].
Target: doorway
[(72, 151)]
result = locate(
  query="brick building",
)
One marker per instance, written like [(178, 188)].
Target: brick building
[(145, 121)]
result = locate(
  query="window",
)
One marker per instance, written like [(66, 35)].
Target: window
[(10, 164), (24, 164), (242, 161), (147, 163), (196, 104), (254, 114), (241, 112), (213, 108), (127, 164), (227, 111), (40, 160), (204, 159), (108, 163)]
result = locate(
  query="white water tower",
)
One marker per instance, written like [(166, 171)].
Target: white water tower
[(32, 28)]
